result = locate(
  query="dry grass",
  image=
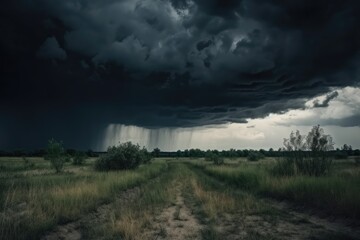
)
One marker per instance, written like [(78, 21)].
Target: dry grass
[(214, 203), (337, 193), (133, 217), (32, 205), (130, 226)]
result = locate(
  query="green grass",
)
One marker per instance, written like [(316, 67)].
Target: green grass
[(33, 201), (336, 194), (30, 205)]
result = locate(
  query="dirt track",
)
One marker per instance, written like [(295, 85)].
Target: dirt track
[(179, 221), (175, 222)]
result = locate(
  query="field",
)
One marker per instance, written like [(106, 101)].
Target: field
[(177, 199)]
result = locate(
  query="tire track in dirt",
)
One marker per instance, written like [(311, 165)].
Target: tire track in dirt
[(176, 222)]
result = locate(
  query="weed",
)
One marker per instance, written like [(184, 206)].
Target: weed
[(177, 213)]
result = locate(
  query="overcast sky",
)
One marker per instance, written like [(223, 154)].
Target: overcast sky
[(178, 73)]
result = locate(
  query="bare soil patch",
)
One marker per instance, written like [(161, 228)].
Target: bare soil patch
[(177, 222)]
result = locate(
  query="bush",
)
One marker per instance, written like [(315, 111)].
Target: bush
[(145, 155), (255, 156), (215, 158), (124, 156), (56, 154), (79, 158)]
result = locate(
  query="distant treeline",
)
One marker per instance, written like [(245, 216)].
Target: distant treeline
[(235, 153), (344, 152)]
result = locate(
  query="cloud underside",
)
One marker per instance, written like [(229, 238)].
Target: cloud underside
[(175, 63)]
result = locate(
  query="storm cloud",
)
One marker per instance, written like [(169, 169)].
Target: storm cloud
[(80, 65)]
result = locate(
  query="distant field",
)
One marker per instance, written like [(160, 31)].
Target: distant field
[(177, 199)]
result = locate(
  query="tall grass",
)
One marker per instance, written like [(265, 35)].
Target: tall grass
[(247, 178), (32, 205), (337, 194)]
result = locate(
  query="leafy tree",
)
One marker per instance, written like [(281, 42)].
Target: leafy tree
[(156, 152), (318, 142), (178, 153), (255, 156), (186, 153), (56, 154), (296, 142), (346, 147)]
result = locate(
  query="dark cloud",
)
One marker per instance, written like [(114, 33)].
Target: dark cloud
[(50, 49), (168, 63), (203, 44), (325, 102)]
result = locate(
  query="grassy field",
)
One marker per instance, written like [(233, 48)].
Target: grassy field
[(176, 199), (33, 201), (336, 194)]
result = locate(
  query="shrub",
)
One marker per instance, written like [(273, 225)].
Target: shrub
[(124, 156), (145, 155), (56, 154), (79, 158), (215, 158), (255, 156)]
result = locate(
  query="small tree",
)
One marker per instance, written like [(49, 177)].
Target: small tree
[(156, 152), (56, 154), (306, 154)]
